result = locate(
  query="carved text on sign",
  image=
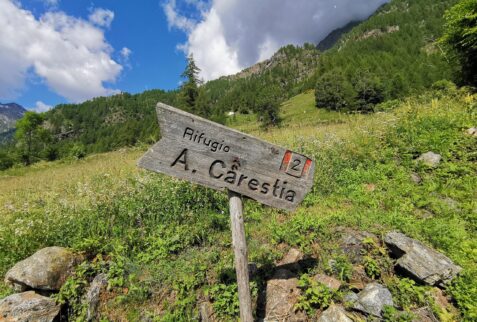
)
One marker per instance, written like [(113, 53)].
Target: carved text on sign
[(215, 156)]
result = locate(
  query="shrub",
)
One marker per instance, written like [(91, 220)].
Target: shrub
[(314, 295)]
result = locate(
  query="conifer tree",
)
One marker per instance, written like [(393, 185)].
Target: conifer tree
[(460, 37), (190, 87)]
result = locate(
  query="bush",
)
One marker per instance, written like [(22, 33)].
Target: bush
[(334, 92), (6, 161), (314, 295), (78, 151)]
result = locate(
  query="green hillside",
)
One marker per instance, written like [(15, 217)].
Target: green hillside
[(165, 245)]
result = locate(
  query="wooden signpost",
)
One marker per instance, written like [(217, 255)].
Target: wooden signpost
[(210, 154)]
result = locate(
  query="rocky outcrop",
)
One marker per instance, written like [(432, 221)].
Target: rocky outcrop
[(421, 262), (28, 306), (334, 313), (45, 270), (372, 299), (430, 159)]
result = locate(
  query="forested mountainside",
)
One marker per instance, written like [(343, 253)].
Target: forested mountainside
[(391, 54)]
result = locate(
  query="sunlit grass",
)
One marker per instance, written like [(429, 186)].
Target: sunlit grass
[(105, 202)]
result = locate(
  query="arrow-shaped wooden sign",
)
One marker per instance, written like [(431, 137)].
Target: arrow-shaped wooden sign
[(210, 154), (221, 158)]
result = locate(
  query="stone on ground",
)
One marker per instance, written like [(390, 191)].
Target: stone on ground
[(421, 262), (372, 299), (46, 270), (416, 178), (472, 131), (430, 159), (28, 306), (281, 298), (98, 284), (334, 313), (352, 243), (291, 259), (328, 281)]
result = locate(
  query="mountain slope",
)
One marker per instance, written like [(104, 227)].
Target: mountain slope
[(396, 49), (9, 114)]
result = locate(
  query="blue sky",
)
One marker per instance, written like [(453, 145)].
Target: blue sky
[(60, 51), (154, 62)]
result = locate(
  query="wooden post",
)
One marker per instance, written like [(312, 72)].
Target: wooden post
[(241, 256)]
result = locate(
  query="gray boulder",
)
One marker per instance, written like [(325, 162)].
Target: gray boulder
[(372, 299), (430, 159), (421, 262), (334, 313), (98, 284), (28, 306), (45, 270)]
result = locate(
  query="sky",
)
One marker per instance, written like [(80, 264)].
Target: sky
[(69, 51)]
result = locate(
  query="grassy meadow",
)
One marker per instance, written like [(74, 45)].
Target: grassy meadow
[(166, 246)]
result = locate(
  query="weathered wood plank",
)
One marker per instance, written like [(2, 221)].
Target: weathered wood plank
[(210, 154), (241, 256)]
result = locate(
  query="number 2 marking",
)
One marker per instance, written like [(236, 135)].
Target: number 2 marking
[(296, 163)]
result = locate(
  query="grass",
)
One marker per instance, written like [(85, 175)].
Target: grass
[(166, 245)]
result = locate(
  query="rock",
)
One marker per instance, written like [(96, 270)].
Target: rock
[(430, 159), (46, 270), (359, 278), (352, 243), (416, 178), (334, 313), (291, 259), (281, 297), (350, 298), (421, 262), (372, 299), (472, 131), (424, 314), (451, 203), (98, 284), (328, 281), (205, 312), (423, 213), (28, 306)]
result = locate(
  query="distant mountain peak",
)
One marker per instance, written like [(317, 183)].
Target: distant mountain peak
[(9, 114)]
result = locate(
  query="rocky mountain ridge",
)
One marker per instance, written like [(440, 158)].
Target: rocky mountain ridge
[(9, 114)]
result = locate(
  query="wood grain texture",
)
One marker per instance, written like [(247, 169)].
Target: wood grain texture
[(210, 154), (241, 256)]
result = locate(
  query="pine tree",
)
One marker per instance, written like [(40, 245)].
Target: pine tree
[(190, 87), (460, 37)]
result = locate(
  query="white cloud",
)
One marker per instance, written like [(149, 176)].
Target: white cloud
[(125, 53), (41, 107), (176, 20), (69, 54), (102, 17), (234, 34)]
